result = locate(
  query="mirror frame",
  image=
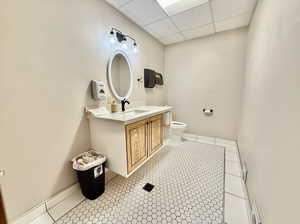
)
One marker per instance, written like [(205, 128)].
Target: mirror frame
[(109, 76)]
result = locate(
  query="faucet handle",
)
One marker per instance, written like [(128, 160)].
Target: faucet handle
[(123, 102)]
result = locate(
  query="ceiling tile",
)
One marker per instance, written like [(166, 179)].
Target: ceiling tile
[(162, 28), (199, 32), (233, 23), (118, 3), (192, 18), (173, 7), (143, 12), (157, 36), (174, 38), (226, 9)]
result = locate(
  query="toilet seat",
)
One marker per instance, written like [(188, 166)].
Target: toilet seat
[(176, 131), (176, 124)]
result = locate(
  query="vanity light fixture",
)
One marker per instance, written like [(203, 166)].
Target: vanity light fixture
[(118, 36), (135, 48), (112, 38), (124, 45)]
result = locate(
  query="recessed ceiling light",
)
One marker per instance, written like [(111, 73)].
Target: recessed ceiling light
[(173, 7), (166, 3)]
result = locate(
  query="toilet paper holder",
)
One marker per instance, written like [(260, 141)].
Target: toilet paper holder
[(208, 112)]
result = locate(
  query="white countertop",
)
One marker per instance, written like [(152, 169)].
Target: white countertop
[(132, 114)]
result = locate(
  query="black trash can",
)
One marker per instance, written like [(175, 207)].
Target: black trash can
[(91, 173)]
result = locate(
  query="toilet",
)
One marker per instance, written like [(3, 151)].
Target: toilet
[(177, 130)]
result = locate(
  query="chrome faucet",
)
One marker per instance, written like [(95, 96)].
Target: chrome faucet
[(123, 102)]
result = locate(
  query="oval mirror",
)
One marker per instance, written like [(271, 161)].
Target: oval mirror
[(119, 75)]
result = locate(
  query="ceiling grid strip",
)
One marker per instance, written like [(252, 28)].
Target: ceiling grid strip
[(175, 23)]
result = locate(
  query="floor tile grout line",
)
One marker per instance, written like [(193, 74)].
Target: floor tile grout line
[(224, 191), (234, 175), (245, 188), (55, 221), (229, 160), (231, 151), (47, 211), (235, 195)]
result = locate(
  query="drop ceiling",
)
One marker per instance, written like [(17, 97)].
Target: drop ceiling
[(172, 21)]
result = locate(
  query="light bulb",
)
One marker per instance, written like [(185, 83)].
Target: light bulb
[(112, 40), (135, 48), (124, 45)]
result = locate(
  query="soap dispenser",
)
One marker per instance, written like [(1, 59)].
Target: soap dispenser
[(99, 95)]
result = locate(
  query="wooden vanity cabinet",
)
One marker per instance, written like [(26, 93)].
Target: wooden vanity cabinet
[(127, 144), (155, 134), (136, 142), (143, 138)]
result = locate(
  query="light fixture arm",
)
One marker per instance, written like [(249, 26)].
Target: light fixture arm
[(134, 41), (120, 36), (116, 30)]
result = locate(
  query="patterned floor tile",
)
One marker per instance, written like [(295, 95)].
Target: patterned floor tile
[(188, 188)]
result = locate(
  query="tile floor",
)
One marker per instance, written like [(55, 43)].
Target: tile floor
[(236, 201), (189, 188), (43, 219)]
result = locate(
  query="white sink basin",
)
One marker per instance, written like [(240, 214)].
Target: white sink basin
[(134, 112)]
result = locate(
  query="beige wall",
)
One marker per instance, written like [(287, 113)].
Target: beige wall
[(49, 52), (270, 124), (207, 73)]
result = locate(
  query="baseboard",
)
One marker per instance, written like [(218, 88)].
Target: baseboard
[(63, 202), (245, 186), (56, 199), (109, 175), (30, 215), (255, 217), (59, 204)]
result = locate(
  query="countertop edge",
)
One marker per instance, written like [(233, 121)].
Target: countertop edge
[(135, 119)]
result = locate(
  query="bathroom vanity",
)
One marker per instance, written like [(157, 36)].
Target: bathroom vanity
[(131, 137), (128, 139)]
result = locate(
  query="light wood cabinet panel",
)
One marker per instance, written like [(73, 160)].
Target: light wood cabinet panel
[(156, 134), (136, 140), (143, 138), (127, 143)]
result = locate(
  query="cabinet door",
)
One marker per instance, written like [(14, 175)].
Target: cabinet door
[(155, 134), (136, 140)]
